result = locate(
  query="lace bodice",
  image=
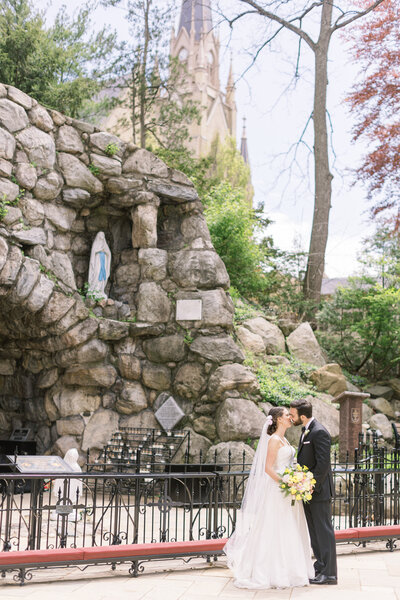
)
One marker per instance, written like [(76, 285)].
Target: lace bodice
[(285, 457)]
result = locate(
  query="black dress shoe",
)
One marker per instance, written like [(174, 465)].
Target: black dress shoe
[(322, 579)]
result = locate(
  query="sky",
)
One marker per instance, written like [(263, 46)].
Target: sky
[(277, 106)]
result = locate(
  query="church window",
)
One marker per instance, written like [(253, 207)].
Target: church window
[(183, 54)]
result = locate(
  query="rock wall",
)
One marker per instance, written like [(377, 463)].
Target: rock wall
[(71, 369)]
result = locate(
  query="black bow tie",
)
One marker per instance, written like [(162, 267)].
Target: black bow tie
[(303, 429)]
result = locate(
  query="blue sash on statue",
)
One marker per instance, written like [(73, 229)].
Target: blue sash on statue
[(102, 273)]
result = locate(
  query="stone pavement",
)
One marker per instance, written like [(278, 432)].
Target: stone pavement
[(364, 574)]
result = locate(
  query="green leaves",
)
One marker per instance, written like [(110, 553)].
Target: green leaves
[(360, 328), (64, 66), (279, 384)]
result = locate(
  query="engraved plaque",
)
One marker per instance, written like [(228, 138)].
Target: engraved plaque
[(41, 464), (355, 415), (188, 310), (169, 414)]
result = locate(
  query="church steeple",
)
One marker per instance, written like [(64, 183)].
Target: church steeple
[(230, 86), (243, 144), (196, 14), (197, 48)]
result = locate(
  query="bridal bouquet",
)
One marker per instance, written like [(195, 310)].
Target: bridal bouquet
[(297, 482)]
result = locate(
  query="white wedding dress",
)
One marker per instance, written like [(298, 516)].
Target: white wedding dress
[(270, 547)]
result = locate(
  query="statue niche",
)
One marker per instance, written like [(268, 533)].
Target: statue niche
[(99, 265)]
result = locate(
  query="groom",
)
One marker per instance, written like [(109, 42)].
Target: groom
[(315, 452)]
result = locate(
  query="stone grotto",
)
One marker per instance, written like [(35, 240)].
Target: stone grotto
[(74, 369)]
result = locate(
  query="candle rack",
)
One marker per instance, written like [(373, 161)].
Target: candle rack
[(140, 450)]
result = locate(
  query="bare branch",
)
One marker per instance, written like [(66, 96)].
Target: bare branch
[(358, 15), (256, 55), (287, 24)]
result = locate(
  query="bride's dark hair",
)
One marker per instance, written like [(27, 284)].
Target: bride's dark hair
[(275, 412)]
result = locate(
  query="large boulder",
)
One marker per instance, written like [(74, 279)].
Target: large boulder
[(217, 348), (198, 447), (201, 269), (395, 385), (205, 426), (97, 376), (381, 423), (239, 419), (330, 379), (132, 399), (154, 305), (39, 147), (144, 419), (381, 405), (63, 444), (272, 336), (367, 413), (235, 453), (231, 377), (156, 376), (99, 429), (190, 380), (303, 344), (379, 391), (250, 341), (74, 402), (165, 349)]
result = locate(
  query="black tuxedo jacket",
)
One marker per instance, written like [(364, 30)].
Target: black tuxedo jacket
[(315, 453)]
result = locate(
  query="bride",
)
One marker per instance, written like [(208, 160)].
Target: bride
[(270, 547)]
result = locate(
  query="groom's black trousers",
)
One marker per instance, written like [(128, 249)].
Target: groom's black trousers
[(318, 515)]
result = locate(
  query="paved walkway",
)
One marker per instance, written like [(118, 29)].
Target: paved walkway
[(364, 574)]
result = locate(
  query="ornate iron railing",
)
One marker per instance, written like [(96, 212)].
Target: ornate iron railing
[(102, 508)]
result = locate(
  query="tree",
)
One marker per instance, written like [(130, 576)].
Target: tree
[(360, 328), (331, 18), (62, 66), (375, 102), (380, 258), (233, 225), (152, 83)]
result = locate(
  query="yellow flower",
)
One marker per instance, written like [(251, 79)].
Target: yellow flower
[(287, 471), (283, 486), (308, 496), (305, 468), (313, 481), (298, 497), (293, 491)]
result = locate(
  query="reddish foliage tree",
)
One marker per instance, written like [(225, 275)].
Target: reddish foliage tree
[(375, 101)]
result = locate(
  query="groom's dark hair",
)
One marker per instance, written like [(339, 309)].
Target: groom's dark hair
[(303, 407)]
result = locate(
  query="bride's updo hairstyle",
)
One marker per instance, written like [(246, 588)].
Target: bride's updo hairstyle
[(275, 412)]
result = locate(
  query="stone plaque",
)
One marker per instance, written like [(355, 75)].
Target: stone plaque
[(40, 464), (169, 414), (188, 310)]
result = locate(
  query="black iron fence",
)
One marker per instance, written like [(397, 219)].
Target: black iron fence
[(97, 508)]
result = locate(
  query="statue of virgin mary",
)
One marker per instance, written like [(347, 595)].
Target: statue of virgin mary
[(99, 265)]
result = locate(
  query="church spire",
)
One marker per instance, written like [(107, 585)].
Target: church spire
[(202, 17), (243, 144), (230, 86)]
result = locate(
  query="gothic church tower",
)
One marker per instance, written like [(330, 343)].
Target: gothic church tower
[(197, 46)]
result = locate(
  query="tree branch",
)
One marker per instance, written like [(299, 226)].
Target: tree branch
[(358, 15), (287, 24)]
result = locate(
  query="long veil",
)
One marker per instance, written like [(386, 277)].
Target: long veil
[(235, 548)]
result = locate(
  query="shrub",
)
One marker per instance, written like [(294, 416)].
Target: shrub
[(277, 384)]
